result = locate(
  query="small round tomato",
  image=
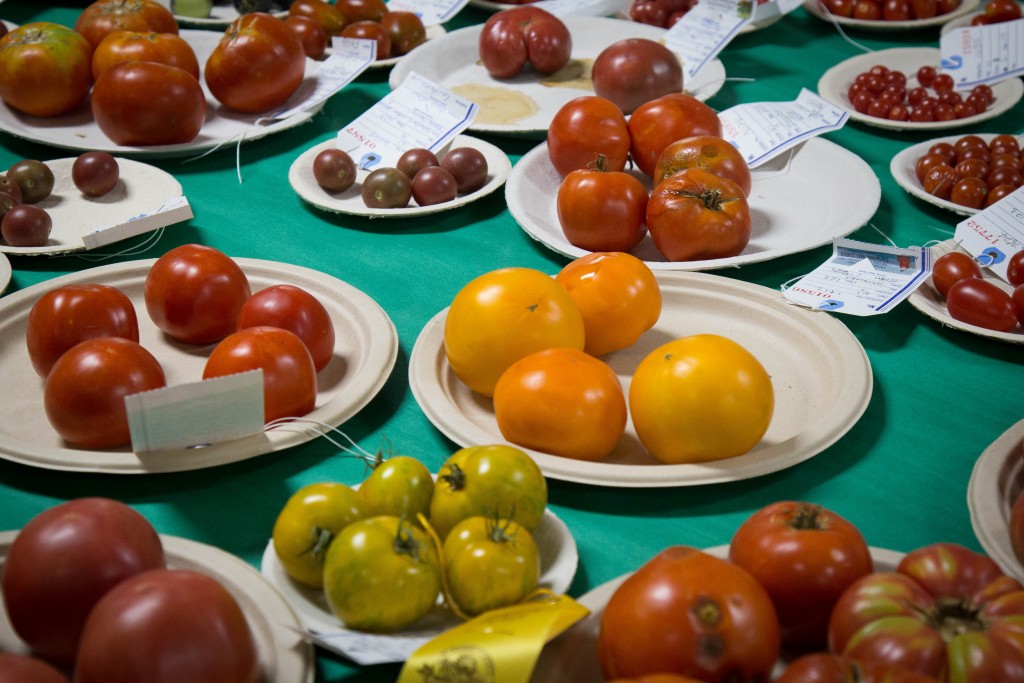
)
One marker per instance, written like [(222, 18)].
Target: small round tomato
[(981, 303), (289, 376), (953, 266), (602, 210), (661, 121), (688, 612), (399, 485), (334, 170), (324, 13), (488, 481), (67, 315), (106, 16), (307, 524), (434, 185), (370, 30), (26, 225), (584, 129), (296, 310), (618, 297), (406, 30), (707, 152), (490, 563), (362, 10), (821, 667), (561, 401), (1015, 268), (700, 398), (310, 33), (633, 71), (45, 69), (137, 46), (415, 160), (386, 188), (381, 574), (503, 315), (468, 166), (85, 390), (95, 173), (656, 678), (15, 668), (33, 177)]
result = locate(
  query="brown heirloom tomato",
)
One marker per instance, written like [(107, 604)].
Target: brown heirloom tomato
[(513, 38), (311, 34), (980, 302), (105, 16), (136, 46), (45, 69), (822, 667), (370, 30), (406, 30), (327, 15), (633, 71), (584, 129), (602, 210), (951, 267), (658, 123), (707, 152)]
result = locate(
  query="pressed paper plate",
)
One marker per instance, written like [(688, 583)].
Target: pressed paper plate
[(995, 484), (558, 558), (5, 273), (365, 352), (821, 375), (928, 300), (141, 189), (78, 130), (964, 20), (527, 103), (284, 656), (572, 656), (300, 175), (835, 83), (814, 7), (795, 204)]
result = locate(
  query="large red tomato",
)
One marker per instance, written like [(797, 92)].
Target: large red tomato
[(105, 16), (584, 129), (64, 560), (656, 124), (691, 613), (147, 103), (289, 376), (16, 668), (805, 556), (144, 46), (85, 390), (257, 65), (707, 152), (520, 36), (601, 210), (194, 293), (946, 612), (295, 310), (633, 71), (167, 626), (45, 69), (822, 667)]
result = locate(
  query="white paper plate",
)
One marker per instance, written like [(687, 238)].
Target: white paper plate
[(813, 7), (835, 83), (572, 655), (78, 130), (284, 656), (454, 62), (964, 20), (300, 175), (141, 188), (928, 300), (821, 374), (365, 352), (558, 556), (221, 15), (994, 486), (5, 273), (794, 202)]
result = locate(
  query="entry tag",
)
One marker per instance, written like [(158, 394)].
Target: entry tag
[(431, 12), (766, 9), (196, 414), (349, 57), (763, 130), (584, 8), (983, 54), (418, 113), (994, 235), (862, 279), (174, 211), (705, 30)]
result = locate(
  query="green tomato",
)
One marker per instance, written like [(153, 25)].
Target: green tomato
[(488, 481), (400, 485), (490, 563), (307, 524), (382, 574)]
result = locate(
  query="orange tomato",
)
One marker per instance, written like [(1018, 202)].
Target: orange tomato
[(561, 401), (144, 46), (502, 316), (618, 296)]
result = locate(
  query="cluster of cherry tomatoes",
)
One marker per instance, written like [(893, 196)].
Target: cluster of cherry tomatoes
[(970, 171), (883, 93), (890, 10), (662, 13), (976, 300), (316, 22)]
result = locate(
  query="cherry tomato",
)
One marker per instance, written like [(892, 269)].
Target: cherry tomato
[(490, 563), (951, 267), (414, 160), (649, 12), (194, 293), (601, 210), (26, 225), (95, 173), (970, 192), (998, 11), (979, 302), (700, 398), (706, 152), (513, 38), (15, 668), (370, 30), (64, 560), (399, 485), (939, 180), (584, 129), (690, 613), (362, 10), (927, 161), (821, 667), (386, 188), (434, 185), (334, 170), (998, 192), (296, 310), (406, 30), (468, 166), (633, 71), (1015, 268), (33, 177), (1018, 301), (148, 46), (106, 16), (323, 13), (661, 121), (310, 33)]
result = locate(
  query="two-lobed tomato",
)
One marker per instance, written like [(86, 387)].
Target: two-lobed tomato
[(514, 38)]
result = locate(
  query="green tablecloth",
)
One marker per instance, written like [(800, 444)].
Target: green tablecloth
[(901, 473)]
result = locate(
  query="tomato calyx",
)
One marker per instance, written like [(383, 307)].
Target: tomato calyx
[(454, 477), (952, 617), (711, 198), (403, 543), (320, 540), (498, 530), (120, 8), (807, 518)]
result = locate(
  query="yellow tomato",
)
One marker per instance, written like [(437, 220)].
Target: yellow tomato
[(502, 316), (561, 401), (700, 398), (618, 297)]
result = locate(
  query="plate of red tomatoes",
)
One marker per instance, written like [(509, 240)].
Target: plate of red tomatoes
[(365, 350), (991, 12), (872, 15), (992, 494)]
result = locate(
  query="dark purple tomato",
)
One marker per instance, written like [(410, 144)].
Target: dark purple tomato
[(26, 225), (334, 170), (35, 179), (434, 185), (469, 167), (414, 160), (386, 188), (95, 173)]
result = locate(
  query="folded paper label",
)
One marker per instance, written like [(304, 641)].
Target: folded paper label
[(994, 235)]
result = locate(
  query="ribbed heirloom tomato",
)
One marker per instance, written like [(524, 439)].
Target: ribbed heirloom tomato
[(105, 16), (707, 152), (45, 68)]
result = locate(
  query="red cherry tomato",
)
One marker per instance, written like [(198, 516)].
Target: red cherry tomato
[(310, 33), (951, 267), (296, 310), (370, 30), (406, 30), (1015, 268), (633, 71), (981, 303)]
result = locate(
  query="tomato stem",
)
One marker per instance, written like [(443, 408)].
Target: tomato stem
[(454, 476), (321, 539), (404, 543), (952, 617), (711, 197), (807, 517)]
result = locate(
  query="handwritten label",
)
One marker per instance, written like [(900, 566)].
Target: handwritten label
[(174, 211), (584, 8), (431, 12), (349, 57), (862, 279), (418, 113), (983, 54), (705, 30), (763, 130), (994, 235)]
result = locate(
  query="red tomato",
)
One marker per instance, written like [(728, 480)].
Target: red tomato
[(296, 310), (71, 314), (584, 129), (289, 376), (944, 609), (362, 10), (370, 30), (690, 613), (64, 560), (323, 13), (633, 71), (696, 214), (661, 121), (953, 266), (601, 210), (805, 556), (406, 30), (146, 103), (311, 34), (85, 390), (707, 152), (164, 626), (821, 667), (1018, 301), (257, 65), (105, 16), (45, 69), (194, 293), (135, 46), (16, 668), (514, 38), (979, 302), (1015, 269)]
